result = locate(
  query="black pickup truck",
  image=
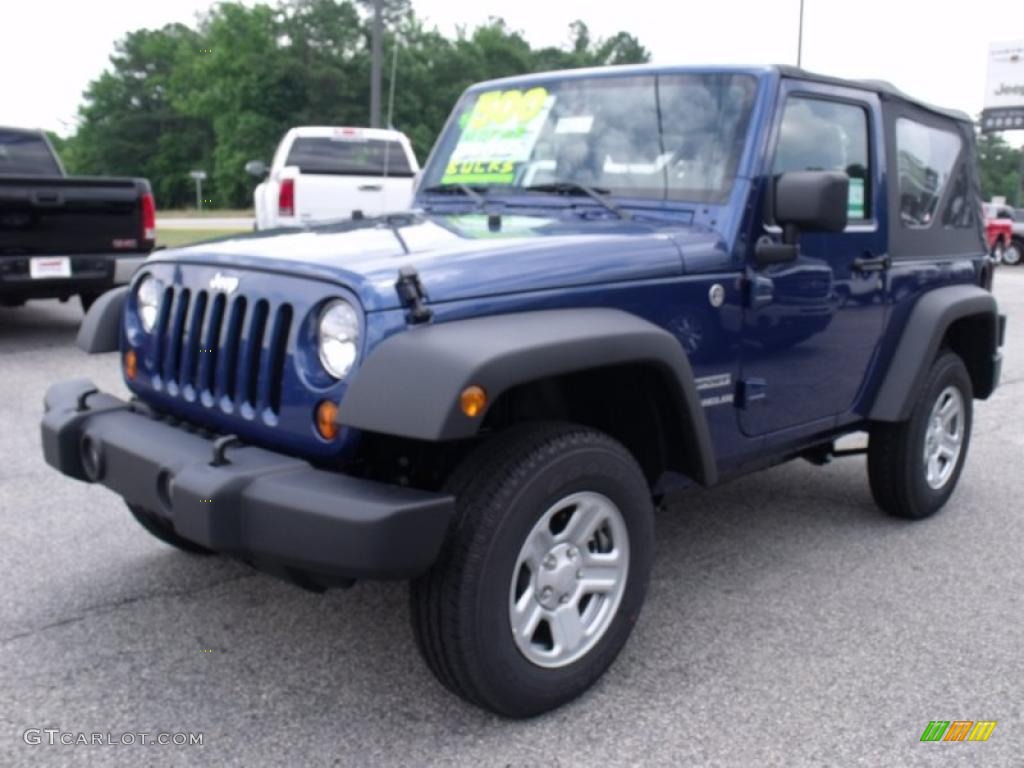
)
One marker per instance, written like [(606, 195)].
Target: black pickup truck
[(62, 235)]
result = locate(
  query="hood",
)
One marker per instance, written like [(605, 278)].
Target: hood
[(461, 256)]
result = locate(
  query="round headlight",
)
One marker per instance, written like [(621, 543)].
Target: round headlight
[(339, 338), (147, 295)]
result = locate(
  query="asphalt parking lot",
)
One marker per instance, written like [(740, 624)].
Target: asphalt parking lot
[(788, 623)]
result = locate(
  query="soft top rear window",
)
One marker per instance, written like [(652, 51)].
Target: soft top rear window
[(23, 153), (349, 156)]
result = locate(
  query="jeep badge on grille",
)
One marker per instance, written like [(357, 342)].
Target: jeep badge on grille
[(222, 282)]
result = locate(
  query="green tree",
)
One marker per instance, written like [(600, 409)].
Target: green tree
[(243, 79), (128, 122), (217, 95), (1000, 167)]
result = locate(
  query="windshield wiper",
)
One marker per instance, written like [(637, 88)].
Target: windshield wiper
[(458, 188), (575, 188)]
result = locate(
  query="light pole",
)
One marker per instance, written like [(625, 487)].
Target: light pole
[(800, 37), (375, 63), (198, 176)]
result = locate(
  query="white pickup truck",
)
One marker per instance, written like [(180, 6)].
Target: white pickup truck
[(323, 173)]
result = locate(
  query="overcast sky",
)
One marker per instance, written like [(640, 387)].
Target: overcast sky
[(50, 49)]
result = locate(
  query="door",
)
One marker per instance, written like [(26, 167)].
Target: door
[(812, 325)]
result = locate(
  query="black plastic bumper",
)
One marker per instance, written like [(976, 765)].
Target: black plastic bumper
[(90, 274), (277, 512)]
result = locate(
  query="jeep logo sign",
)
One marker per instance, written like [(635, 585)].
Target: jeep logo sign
[(222, 282), (1004, 88)]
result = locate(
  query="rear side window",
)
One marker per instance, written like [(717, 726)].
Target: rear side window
[(25, 154), (349, 157), (926, 158), (822, 135)]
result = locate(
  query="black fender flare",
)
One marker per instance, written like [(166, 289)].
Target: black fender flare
[(409, 385), (919, 343), (100, 329)]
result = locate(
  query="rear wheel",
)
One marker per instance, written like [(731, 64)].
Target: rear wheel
[(913, 466), (165, 532), (544, 571)]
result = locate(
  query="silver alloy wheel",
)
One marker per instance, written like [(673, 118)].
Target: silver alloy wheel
[(1011, 254), (944, 437), (569, 579)]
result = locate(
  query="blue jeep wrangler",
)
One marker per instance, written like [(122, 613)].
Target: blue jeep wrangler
[(614, 284)]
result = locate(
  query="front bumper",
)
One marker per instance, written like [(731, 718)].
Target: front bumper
[(277, 512)]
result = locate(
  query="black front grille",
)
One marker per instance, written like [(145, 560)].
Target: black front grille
[(222, 351)]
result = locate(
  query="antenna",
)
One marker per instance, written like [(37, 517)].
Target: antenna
[(800, 37), (391, 85), (391, 105)]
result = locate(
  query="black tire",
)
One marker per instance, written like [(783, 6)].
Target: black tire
[(460, 608), (162, 530), (1013, 254), (897, 468)]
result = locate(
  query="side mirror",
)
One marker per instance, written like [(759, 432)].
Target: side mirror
[(812, 201), (256, 168), (805, 201)]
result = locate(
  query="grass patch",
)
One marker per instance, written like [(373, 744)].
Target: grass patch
[(175, 238)]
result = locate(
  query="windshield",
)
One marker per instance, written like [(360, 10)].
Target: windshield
[(669, 136)]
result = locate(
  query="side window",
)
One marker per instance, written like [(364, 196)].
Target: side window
[(821, 135), (926, 157)]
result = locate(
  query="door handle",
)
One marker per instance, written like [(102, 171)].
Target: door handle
[(869, 263), (370, 187)]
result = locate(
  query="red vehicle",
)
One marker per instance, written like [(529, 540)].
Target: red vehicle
[(998, 233), (1004, 229)]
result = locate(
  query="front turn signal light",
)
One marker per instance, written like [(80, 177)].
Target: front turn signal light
[(327, 419), (473, 400), (131, 364)]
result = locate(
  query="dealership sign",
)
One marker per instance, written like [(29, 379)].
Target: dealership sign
[(1004, 88)]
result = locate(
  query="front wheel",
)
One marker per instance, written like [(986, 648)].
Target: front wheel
[(914, 465), (1014, 252), (544, 572)]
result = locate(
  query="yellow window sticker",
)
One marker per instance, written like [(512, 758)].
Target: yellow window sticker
[(499, 131)]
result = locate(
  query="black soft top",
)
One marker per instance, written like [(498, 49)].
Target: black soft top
[(881, 87)]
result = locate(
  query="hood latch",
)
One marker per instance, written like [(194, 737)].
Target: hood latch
[(410, 291)]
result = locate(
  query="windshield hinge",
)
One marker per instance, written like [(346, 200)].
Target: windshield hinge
[(410, 291)]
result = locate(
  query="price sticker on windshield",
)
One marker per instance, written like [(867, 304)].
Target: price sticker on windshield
[(500, 131)]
